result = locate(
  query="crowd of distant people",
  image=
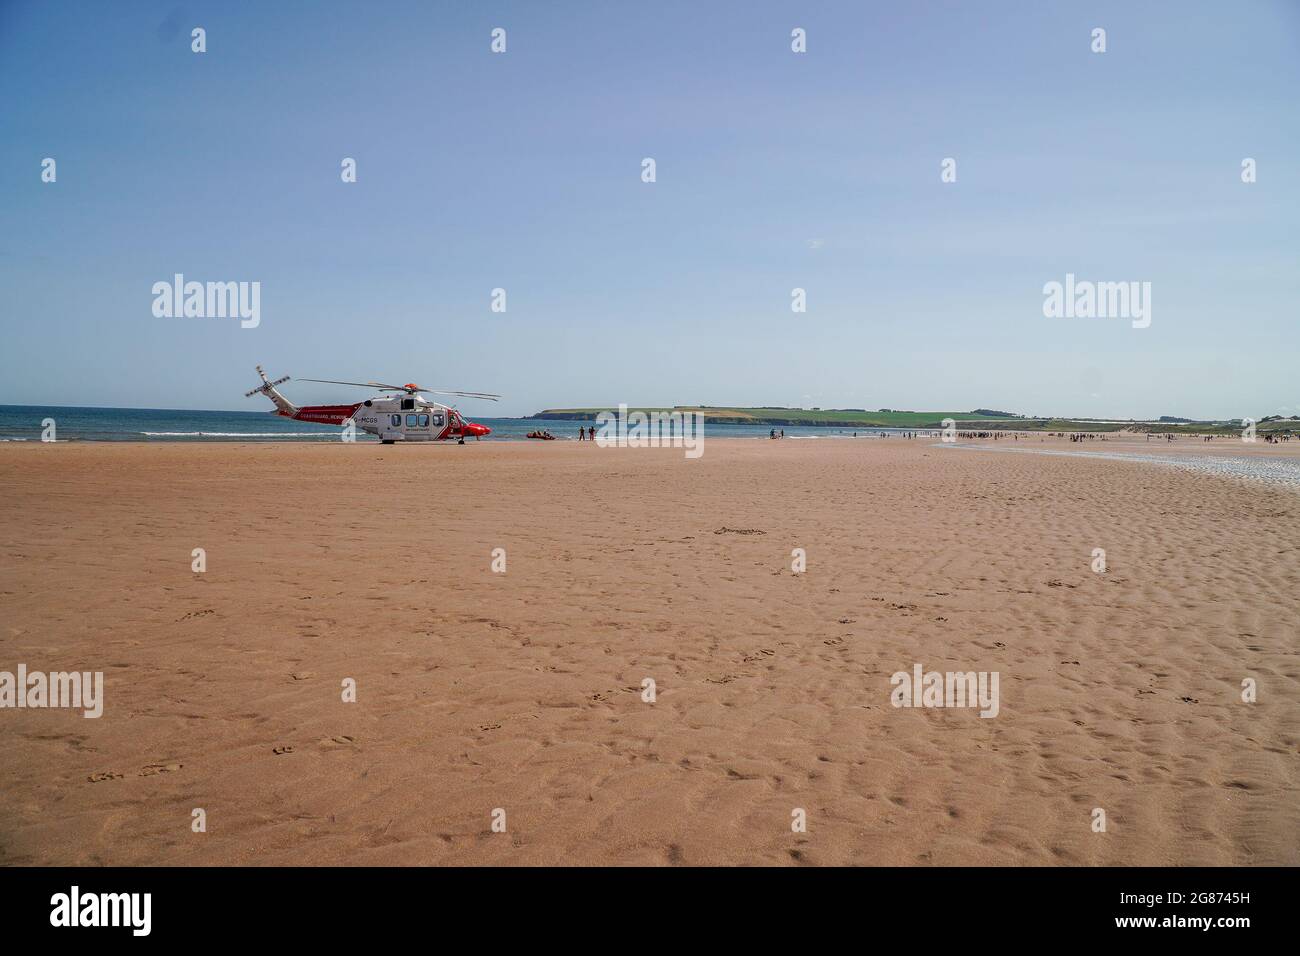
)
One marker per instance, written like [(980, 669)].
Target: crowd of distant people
[(993, 435)]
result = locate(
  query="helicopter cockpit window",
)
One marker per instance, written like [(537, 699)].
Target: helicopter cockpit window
[(437, 419)]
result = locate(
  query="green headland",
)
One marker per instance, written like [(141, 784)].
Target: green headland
[(979, 419)]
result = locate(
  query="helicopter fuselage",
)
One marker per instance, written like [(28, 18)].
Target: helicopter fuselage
[(407, 418)]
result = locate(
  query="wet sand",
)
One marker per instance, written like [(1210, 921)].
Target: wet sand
[(522, 691)]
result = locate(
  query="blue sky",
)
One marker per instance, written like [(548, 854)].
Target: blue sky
[(774, 170)]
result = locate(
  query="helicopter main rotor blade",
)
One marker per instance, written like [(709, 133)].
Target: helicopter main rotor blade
[(491, 397), (410, 389), (330, 381), (360, 384)]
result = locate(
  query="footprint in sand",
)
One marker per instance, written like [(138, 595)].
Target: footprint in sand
[(103, 775), (334, 743), (155, 768), (282, 749)]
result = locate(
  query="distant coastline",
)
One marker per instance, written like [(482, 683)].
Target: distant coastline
[(980, 419), (775, 415)]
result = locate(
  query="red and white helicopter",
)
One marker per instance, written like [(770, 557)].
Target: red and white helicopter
[(407, 416)]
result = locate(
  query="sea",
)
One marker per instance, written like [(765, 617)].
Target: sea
[(26, 423)]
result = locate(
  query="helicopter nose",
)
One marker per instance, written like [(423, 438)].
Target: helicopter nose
[(474, 428)]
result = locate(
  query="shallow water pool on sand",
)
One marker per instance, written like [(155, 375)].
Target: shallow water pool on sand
[(1283, 472)]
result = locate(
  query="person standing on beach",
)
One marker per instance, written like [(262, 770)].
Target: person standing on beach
[(582, 434), (591, 433)]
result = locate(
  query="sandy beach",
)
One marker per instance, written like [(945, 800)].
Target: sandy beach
[(523, 690)]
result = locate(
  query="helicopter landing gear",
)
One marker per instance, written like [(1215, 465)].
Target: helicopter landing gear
[(461, 442)]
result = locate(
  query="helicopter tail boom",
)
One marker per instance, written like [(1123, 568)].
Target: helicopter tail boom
[(325, 414)]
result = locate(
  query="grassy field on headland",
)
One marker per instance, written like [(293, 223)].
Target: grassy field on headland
[(981, 419)]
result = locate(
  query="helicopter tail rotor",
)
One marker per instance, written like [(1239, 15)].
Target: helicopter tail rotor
[(267, 388)]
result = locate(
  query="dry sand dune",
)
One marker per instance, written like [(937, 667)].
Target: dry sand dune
[(522, 691)]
